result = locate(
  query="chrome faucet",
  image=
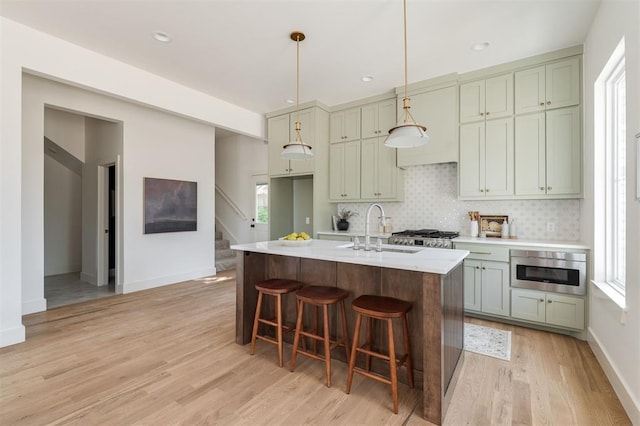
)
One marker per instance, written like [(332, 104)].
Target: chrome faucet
[(367, 238)]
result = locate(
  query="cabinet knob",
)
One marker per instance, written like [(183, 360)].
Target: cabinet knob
[(542, 300), (482, 113), (477, 267), (549, 188), (549, 301), (541, 103), (542, 188), (487, 112), (486, 190), (548, 102), (482, 190), (484, 269)]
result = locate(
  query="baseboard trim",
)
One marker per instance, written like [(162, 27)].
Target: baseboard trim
[(12, 336), (162, 281), (35, 305), (620, 387)]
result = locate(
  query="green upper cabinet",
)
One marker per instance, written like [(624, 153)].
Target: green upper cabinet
[(548, 154), (344, 171), (438, 111), (555, 85), (380, 179), (344, 125), (378, 118), (486, 99), (486, 159), (281, 130)]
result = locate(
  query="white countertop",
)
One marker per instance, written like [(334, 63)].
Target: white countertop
[(436, 261), (525, 243)]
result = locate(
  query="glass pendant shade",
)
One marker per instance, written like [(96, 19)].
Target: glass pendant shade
[(296, 151), (407, 136)]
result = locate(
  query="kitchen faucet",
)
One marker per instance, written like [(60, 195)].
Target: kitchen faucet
[(367, 238)]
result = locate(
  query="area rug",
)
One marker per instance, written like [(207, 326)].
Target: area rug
[(487, 341)]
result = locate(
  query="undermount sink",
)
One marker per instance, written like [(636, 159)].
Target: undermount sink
[(384, 249)]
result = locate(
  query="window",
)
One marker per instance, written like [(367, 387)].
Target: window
[(262, 203), (611, 174)]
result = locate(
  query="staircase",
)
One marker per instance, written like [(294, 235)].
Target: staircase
[(225, 257)]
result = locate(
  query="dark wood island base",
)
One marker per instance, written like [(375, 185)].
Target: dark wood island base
[(436, 321)]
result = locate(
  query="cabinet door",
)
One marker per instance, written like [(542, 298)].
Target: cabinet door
[(498, 157), (528, 305), (387, 179), (336, 127), (344, 126), (278, 136), (437, 110), (472, 101), (565, 311), (336, 172), (351, 170), (368, 174), (495, 288), (530, 90), (564, 153), (387, 116), (378, 118), (369, 121), (563, 83), (472, 285), (307, 132), (499, 97), (471, 166), (530, 154)]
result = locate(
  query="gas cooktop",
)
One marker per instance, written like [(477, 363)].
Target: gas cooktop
[(424, 237), (427, 233)]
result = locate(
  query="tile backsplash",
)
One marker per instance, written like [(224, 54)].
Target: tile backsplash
[(431, 202)]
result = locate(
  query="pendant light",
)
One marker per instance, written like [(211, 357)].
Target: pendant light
[(406, 134), (296, 149)]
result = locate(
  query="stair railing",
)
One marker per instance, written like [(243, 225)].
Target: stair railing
[(233, 205)]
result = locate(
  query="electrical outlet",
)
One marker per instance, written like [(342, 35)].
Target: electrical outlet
[(551, 227), (307, 220)]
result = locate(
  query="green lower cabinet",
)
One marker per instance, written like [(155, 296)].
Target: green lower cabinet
[(548, 308), (486, 287)]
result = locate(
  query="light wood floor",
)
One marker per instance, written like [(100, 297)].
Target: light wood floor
[(167, 356)]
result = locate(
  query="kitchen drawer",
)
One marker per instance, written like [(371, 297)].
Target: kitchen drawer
[(485, 252)]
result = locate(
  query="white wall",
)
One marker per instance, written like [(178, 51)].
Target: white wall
[(238, 159), (63, 195), (65, 129), (24, 49), (62, 219), (614, 338)]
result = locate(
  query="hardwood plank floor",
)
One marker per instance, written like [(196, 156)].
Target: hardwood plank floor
[(167, 356)]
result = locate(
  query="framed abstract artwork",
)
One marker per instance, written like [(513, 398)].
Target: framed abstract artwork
[(170, 205)]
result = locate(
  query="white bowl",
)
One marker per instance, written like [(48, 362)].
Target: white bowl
[(295, 243)]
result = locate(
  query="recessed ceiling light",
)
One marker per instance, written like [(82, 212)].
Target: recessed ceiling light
[(162, 37), (366, 78), (480, 46), (291, 101)]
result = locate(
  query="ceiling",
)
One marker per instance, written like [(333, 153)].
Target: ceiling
[(240, 50)]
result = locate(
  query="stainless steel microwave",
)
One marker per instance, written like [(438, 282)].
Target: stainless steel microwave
[(557, 271)]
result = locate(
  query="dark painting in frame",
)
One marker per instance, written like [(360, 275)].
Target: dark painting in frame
[(170, 205)]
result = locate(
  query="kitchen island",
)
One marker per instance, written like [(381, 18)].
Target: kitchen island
[(431, 279)]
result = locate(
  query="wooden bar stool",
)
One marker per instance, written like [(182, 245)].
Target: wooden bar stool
[(381, 308), (275, 287), (320, 297)]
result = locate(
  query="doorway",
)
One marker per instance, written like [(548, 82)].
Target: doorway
[(260, 208)]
